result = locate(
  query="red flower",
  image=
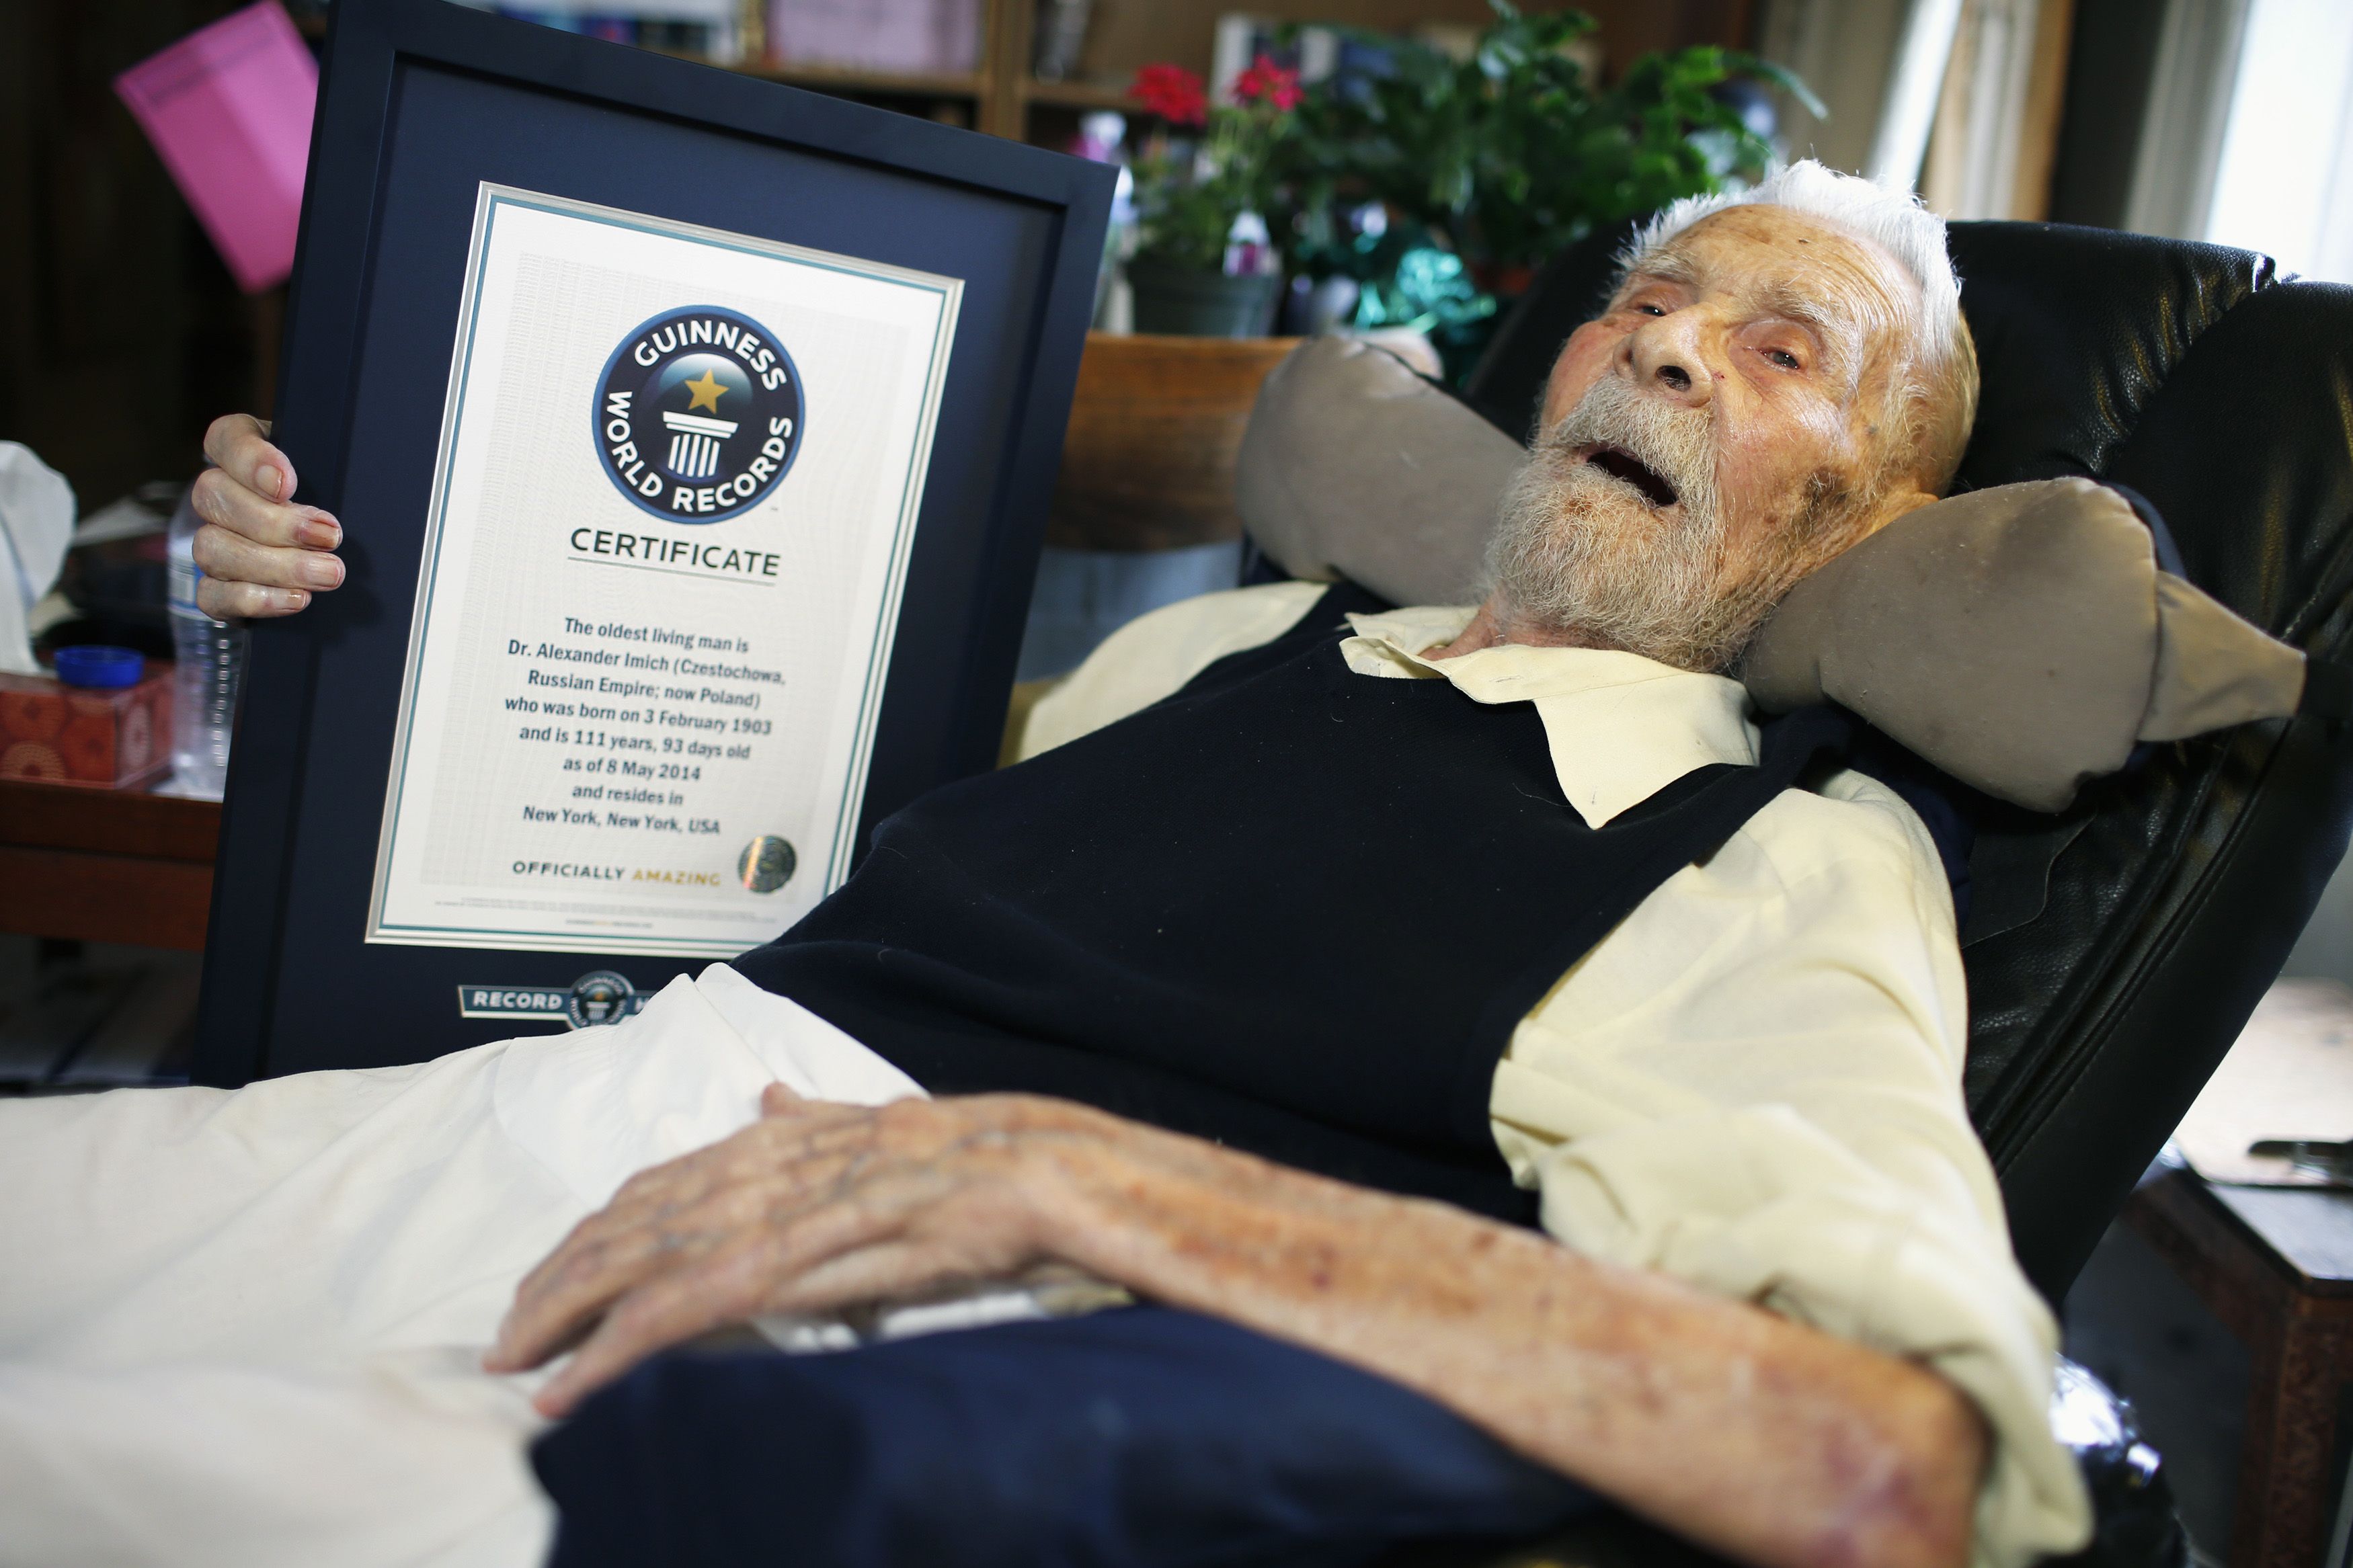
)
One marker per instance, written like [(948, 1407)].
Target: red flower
[(1171, 93), (1266, 82)]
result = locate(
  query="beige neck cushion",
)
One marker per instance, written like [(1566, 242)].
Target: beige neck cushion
[(2023, 638), (1351, 465)]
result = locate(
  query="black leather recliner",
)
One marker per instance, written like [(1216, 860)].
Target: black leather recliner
[(2115, 952)]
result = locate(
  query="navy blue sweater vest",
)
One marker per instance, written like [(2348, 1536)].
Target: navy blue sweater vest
[(1292, 909)]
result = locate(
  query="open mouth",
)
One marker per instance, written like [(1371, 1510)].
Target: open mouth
[(1620, 464)]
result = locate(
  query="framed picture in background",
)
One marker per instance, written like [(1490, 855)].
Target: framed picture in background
[(693, 437)]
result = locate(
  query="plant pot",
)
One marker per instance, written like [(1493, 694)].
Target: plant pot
[(1176, 300)]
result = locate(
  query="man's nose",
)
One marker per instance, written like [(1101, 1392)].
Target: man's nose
[(1664, 355)]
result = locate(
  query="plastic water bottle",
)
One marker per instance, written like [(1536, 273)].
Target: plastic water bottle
[(210, 657)]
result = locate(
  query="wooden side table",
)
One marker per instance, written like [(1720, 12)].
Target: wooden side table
[(2276, 1265), (106, 864), (1156, 430)]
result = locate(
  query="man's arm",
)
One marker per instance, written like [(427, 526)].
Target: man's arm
[(1762, 1439), (1754, 1085)]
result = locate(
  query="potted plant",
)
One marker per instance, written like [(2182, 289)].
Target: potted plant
[(1478, 170), (1204, 265)]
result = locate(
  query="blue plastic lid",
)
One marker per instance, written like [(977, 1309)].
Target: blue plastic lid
[(94, 664)]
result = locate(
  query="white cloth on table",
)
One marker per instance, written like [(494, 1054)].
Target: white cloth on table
[(245, 1328)]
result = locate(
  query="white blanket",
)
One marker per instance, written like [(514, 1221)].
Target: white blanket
[(245, 1328)]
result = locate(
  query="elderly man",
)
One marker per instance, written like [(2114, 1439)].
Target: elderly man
[(1303, 942)]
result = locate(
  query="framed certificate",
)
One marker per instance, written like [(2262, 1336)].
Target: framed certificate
[(654, 617), (693, 437)]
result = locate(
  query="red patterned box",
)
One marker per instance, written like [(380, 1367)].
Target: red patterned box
[(58, 733)]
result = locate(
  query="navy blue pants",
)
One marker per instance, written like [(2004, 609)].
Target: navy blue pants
[(1139, 1436)]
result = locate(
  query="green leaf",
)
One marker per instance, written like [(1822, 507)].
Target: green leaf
[(1787, 81), (1511, 154)]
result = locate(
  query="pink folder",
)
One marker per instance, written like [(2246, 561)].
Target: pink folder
[(228, 108)]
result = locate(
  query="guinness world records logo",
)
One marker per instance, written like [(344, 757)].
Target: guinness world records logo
[(600, 996), (698, 415), (765, 864)]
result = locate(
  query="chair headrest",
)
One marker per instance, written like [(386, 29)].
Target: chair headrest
[(2023, 637), (1353, 466)]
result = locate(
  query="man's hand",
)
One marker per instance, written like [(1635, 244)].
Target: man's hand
[(815, 1209), (260, 555), (1763, 1439)]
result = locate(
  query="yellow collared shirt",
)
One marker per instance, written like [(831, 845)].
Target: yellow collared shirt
[(1753, 1082)]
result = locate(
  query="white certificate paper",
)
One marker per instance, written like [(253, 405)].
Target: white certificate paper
[(677, 488)]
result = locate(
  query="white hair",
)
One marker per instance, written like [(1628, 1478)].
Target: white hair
[(1891, 219), (1898, 224)]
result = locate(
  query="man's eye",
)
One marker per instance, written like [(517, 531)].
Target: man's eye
[(1783, 358), (1649, 310)]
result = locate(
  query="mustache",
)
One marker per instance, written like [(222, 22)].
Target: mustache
[(1662, 451), (1585, 538)]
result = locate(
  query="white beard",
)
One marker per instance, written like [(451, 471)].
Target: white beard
[(1578, 549)]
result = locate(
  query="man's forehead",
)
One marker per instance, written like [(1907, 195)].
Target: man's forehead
[(1782, 257), (1858, 300)]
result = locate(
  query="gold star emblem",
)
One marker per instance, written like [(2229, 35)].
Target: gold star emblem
[(705, 393)]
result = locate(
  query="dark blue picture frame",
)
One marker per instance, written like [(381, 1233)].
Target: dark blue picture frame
[(420, 101)]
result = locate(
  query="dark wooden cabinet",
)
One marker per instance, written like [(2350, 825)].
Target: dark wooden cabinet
[(106, 864)]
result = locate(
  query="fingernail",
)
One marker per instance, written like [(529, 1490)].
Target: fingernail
[(269, 478), (322, 570), (289, 599), (320, 532)]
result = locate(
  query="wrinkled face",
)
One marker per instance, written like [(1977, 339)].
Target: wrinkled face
[(1720, 430)]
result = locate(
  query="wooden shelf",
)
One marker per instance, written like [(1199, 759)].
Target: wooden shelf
[(969, 87), (1127, 33), (850, 79), (999, 96), (1080, 95)]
